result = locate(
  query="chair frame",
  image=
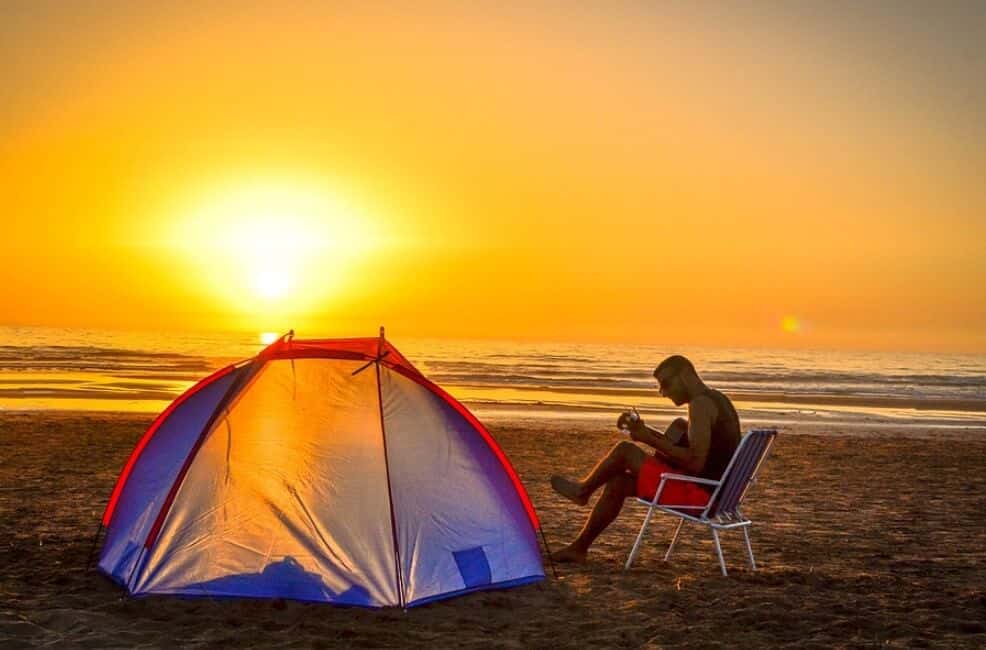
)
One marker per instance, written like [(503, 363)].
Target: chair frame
[(710, 515)]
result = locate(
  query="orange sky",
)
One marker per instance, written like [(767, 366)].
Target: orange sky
[(690, 174)]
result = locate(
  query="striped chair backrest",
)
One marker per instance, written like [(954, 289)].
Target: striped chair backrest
[(741, 471)]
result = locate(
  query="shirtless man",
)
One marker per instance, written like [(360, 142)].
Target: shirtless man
[(627, 471)]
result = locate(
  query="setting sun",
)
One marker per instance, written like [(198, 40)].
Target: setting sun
[(790, 324), (271, 283), (270, 249)]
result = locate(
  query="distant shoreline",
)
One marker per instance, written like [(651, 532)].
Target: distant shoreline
[(750, 399), (739, 396)]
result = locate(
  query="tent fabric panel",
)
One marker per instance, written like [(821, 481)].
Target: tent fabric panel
[(286, 497), (490, 440), (152, 468), (451, 496)]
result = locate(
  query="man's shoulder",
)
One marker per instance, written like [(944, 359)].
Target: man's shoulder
[(712, 393), (702, 402)]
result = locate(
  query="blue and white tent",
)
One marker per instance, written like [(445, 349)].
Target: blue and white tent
[(320, 470)]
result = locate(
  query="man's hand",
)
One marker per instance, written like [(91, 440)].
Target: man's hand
[(631, 423), (638, 430)]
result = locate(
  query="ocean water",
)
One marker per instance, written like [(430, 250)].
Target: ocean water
[(76, 369)]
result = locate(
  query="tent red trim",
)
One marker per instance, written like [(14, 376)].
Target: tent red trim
[(358, 348), (121, 481)]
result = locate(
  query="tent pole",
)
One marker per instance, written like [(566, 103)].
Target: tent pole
[(92, 548), (390, 496), (547, 551)]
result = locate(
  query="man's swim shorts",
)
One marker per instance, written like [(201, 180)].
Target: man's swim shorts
[(676, 493)]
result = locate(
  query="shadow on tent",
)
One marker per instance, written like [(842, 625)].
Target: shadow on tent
[(284, 579)]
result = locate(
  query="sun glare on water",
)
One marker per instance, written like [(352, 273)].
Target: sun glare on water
[(268, 337)]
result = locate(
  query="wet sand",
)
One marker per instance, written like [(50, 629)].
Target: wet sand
[(864, 538)]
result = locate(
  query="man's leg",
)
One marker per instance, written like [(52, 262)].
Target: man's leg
[(624, 457), (618, 488)]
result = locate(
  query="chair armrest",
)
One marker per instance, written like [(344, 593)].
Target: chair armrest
[(673, 506), (691, 479)]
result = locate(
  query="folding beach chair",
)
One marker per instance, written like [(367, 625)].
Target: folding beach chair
[(721, 512)]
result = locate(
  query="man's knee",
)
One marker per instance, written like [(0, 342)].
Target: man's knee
[(624, 449), (677, 432)]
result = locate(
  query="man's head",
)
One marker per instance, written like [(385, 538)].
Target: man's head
[(677, 379)]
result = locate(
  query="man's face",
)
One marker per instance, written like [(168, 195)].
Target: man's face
[(670, 385)]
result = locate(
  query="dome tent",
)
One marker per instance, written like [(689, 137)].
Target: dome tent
[(320, 470)]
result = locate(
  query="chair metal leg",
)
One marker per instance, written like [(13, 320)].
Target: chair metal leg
[(722, 562), (640, 537), (749, 548), (674, 538)]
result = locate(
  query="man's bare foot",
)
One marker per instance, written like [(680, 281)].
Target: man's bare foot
[(568, 489), (569, 554)]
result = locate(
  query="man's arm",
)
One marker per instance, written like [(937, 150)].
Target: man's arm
[(691, 459), (646, 434)]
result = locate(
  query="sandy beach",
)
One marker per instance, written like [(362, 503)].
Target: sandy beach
[(863, 538)]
